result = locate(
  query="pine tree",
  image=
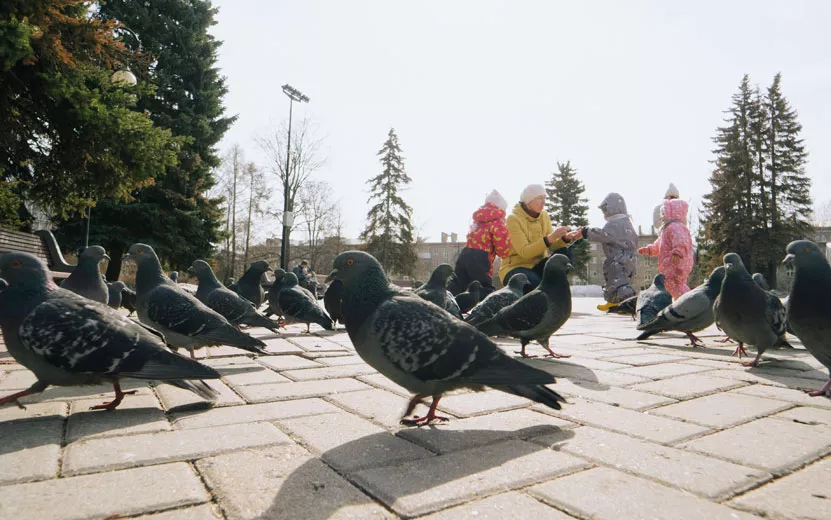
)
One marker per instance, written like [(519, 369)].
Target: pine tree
[(566, 207), (389, 229)]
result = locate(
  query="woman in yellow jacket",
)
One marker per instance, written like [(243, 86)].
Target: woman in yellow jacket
[(533, 237)]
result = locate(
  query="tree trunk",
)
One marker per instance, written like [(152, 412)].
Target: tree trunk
[(114, 266), (234, 219), (248, 224)]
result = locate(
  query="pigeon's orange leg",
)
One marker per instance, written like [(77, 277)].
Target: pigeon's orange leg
[(119, 396), (427, 419), (36, 388)]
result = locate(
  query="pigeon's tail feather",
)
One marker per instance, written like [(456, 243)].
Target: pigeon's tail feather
[(490, 327), (537, 393), (200, 388), (234, 338), (627, 306), (659, 324), (257, 320), (170, 367), (646, 334)]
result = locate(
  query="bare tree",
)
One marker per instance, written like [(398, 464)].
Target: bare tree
[(317, 214), (822, 214), (257, 194)]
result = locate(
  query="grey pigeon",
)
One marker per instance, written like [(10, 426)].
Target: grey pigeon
[(809, 307), (174, 275), (746, 312), (652, 300), (332, 300), (468, 299), (299, 307), (85, 279), (435, 290), (68, 340), (421, 347), (759, 279), (236, 309), (496, 300), (249, 286), (231, 283), (181, 317), (115, 289), (272, 297), (538, 314), (690, 313), (128, 300)]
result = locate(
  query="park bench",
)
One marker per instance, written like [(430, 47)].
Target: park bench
[(42, 244)]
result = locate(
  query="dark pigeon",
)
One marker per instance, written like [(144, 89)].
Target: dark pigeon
[(497, 300), (759, 279), (115, 289), (128, 300), (249, 285), (746, 312), (181, 317), (421, 347), (540, 313), (809, 307), (332, 300), (652, 300), (272, 298), (85, 279), (174, 275), (236, 309), (435, 290), (299, 306), (467, 300), (690, 313), (69, 340)]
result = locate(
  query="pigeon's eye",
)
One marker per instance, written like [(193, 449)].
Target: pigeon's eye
[(140, 250), (350, 261), (805, 250), (16, 263)]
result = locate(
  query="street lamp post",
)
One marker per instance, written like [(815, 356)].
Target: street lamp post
[(288, 214)]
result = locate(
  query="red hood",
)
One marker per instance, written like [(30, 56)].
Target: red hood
[(488, 213)]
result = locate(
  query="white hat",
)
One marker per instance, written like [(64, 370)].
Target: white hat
[(672, 192), (497, 200), (531, 192)]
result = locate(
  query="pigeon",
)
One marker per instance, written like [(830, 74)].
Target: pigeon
[(468, 300), (809, 309), (629, 307), (174, 275), (332, 300), (435, 290), (759, 279), (538, 314), (272, 297), (231, 283), (115, 289), (653, 300), (248, 286), (299, 307), (85, 279), (746, 312), (128, 300), (69, 340), (180, 316), (496, 300), (236, 309), (690, 313), (422, 347)]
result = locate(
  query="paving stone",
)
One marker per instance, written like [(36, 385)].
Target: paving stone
[(641, 360), (316, 344), (17, 380), (722, 410), (343, 360), (105, 495), (283, 482), (174, 398), (625, 497), (33, 411), (310, 374), (251, 413), (501, 507), (215, 352), (663, 370), (806, 415), (770, 444), (698, 474), (463, 434), (257, 376), (377, 405), (29, 450), (636, 424), (347, 443), (726, 364), (155, 448), (136, 414), (321, 355), (477, 403), (298, 390), (610, 395), (785, 394), (281, 346), (615, 378), (203, 512), (287, 362), (446, 480), (595, 364), (69, 393), (804, 494), (798, 383), (685, 387), (381, 381)]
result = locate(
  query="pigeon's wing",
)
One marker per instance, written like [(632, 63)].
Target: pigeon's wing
[(489, 306), (181, 312), (229, 304), (452, 306), (81, 336), (775, 314), (526, 313)]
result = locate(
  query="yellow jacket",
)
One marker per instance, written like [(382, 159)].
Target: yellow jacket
[(527, 244)]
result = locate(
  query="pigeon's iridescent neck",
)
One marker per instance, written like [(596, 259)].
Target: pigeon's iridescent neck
[(149, 275)]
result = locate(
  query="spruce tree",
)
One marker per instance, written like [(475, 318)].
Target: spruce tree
[(389, 229), (566, 207)]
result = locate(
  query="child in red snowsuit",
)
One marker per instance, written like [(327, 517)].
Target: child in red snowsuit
[(487, 239)]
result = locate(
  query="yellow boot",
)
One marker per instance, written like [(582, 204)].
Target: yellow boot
[(606, 306)]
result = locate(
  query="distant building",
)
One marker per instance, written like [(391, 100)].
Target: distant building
[(433, 254)]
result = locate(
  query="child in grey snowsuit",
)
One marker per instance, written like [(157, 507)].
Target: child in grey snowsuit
[(620, 245)]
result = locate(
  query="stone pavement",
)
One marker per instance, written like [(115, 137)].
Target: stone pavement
[(654, 429)]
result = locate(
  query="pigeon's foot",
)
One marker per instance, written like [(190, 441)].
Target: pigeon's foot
[(695, 341), (119, 396), (740, 351), (754, 363), (36, 388), (824, 391), (427, 419), (725, 339), (553, 354)]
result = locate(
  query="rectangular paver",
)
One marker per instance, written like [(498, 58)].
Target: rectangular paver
[(663, 370), (287, 362), (203, 512), (29, 449), (477, 403), (722, 410), (174, 398), (251, 413), (806, 415), (333, 372), (298, 390), (136, 414), (785, 394), (502, 507), (381, 406), (686, 387), (615, 396)]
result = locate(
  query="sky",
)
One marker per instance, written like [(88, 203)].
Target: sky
[(490, 94)]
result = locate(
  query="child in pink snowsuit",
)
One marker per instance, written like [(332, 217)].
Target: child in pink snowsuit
[(674, 245)]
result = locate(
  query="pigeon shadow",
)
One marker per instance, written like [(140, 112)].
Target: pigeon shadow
[(325, 486), (577, 374), (29, 433)]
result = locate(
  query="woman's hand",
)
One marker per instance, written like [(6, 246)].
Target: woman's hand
[(577, 234), (558, 233), (643, 251)]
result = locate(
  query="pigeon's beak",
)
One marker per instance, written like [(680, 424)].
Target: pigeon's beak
[(569, 268), (126, 257), (789, 258), (332, 276), (107, 256)]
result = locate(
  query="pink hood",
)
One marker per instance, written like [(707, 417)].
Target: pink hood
[(676, 209)]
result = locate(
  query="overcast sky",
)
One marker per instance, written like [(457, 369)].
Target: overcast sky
[(488, 94)]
